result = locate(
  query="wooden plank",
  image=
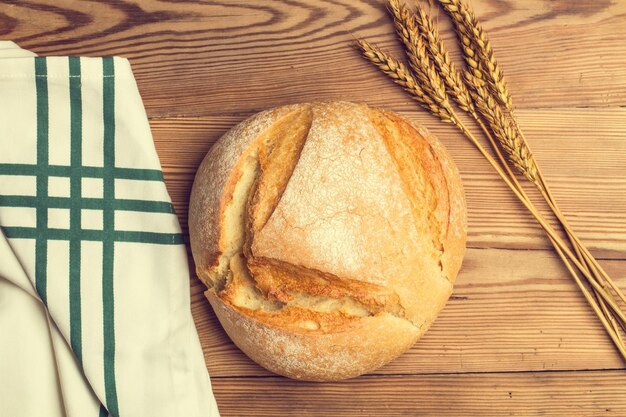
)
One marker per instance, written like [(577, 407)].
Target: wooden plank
[(207, 58), (511, 310), (582, 151), (566, 394)]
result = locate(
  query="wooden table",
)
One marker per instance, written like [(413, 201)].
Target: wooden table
[(516, 338)]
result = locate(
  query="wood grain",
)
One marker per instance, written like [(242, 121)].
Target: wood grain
[(582, 151), (232, 56), (565, 394)]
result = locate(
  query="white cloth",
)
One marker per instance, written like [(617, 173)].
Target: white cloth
[(94, 284)]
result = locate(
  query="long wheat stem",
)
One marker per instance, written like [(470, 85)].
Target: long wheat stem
[(584, 252), (559, 245), (590, 262), (603, 309), (602, 313)]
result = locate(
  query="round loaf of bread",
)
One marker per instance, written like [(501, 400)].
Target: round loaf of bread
[(329, 236)]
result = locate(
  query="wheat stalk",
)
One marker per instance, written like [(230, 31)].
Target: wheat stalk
[(481, 60), (482, 93)]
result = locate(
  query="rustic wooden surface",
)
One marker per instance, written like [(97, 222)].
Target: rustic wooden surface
[(516, 337)]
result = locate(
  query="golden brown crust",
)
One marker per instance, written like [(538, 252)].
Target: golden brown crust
[(358, 347), (354, 231)]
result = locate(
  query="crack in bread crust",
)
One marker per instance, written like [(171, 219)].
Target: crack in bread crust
[(285, 282), (217, 181)]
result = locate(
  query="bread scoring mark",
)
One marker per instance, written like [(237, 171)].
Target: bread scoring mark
[(213, 187), (447, 221), (233, 218), (244, 181), (277, 154), (456, 225), (287, 282), (315, 356), (413, 160)]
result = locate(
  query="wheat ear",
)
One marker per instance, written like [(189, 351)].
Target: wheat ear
[(399, 73), (475, 44), (483, 81), (477, 50), (440, 56), (512, 142), (419, 61), (503, 129)]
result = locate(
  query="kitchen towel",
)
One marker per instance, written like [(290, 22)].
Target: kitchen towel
[(94, 283)]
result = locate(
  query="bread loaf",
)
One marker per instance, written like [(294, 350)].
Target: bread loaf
[(328, 235)]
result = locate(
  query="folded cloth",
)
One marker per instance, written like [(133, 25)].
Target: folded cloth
[(94, 284)]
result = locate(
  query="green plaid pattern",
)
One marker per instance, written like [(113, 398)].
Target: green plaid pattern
[(67, 215)]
